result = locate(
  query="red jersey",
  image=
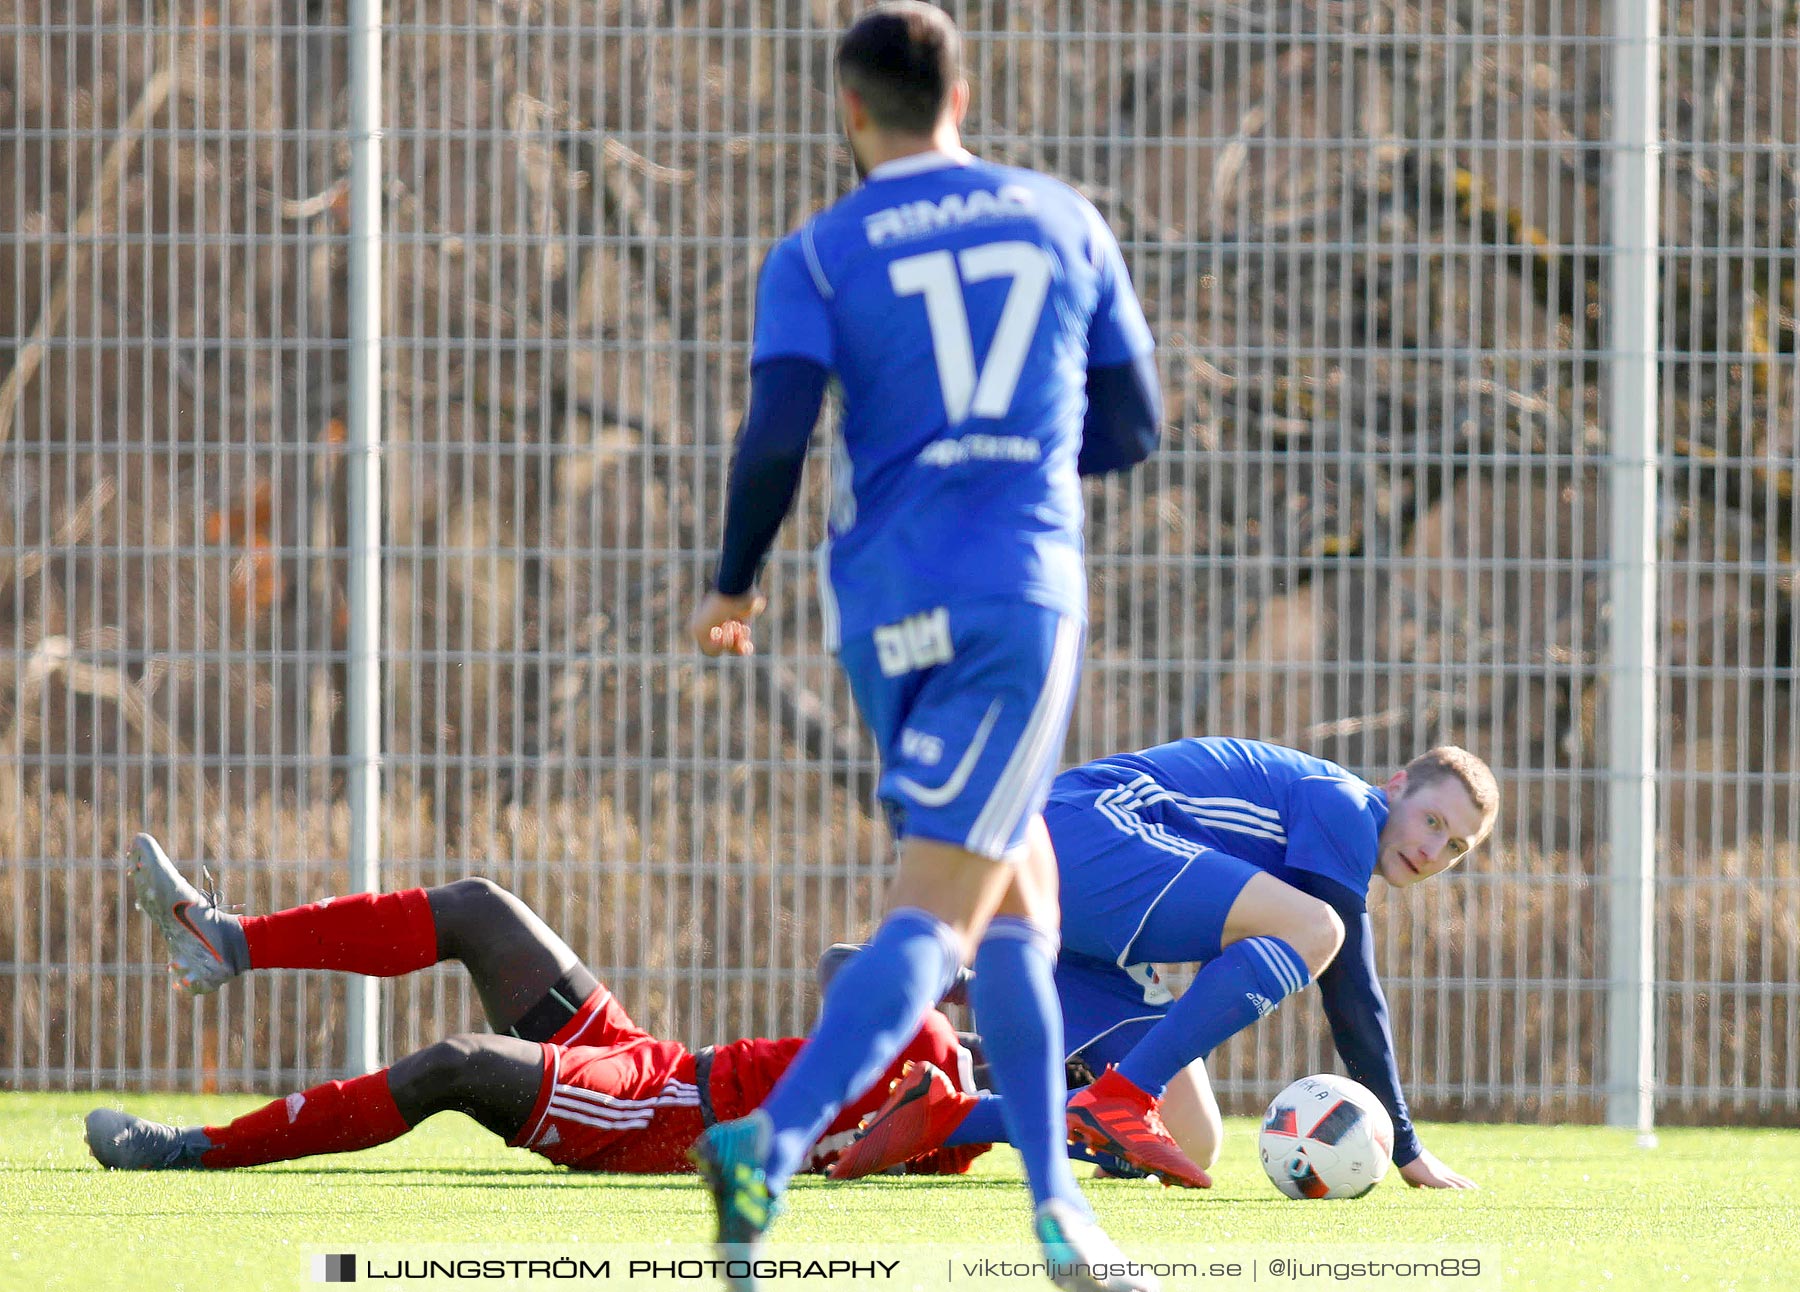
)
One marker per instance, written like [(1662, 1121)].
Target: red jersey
[(614, 1098)]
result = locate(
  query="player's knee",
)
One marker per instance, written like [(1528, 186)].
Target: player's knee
[(1203, 1144), (1192, 1117), (1317, 935), (466, 908), (471, 1064), (1200, 1137), (434, 1079), (477, 893)]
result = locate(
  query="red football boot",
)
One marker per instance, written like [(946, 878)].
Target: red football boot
[(922, 1107), (955, 1160), (1114, 1116)]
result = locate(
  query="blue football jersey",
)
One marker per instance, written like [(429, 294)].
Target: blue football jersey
[(958, 305), (1275, 807)]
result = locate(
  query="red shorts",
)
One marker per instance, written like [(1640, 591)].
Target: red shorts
[(614, 1098)]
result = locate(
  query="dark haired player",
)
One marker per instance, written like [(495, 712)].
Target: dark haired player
[(1255, 860), (565, 1073), (989, 349)]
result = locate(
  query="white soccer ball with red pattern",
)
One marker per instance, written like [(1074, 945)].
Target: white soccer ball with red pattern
[(1326, 1137)]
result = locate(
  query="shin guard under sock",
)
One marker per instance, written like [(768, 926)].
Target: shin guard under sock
[(382, 935), (1020, 1020), (337, 1117), (1244, 983)]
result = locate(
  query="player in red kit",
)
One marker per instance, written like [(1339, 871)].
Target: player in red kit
[(565, 1072)]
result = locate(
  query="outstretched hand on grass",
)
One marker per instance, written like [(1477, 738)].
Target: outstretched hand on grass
[(1426, 1172)]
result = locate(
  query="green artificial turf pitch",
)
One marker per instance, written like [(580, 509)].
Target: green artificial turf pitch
[(1574, 1207)]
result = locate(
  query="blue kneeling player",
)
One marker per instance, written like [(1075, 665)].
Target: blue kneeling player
[(1256, 860), (988, 348), (1253, 859)]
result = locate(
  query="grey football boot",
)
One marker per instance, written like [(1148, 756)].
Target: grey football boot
[(206, 946), (121, 1142)]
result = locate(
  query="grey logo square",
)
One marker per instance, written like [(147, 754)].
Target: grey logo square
[(334, 1268)]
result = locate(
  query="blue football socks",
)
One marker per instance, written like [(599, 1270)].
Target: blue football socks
[(1244, 983), (1016, 1011), (984, 1124), (872, 1008)]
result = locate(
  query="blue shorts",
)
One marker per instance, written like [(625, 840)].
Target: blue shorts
[(1129, 897), (969, 706), (1105, 1010)]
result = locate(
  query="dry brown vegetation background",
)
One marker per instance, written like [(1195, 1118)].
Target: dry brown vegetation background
[(1371, 239)]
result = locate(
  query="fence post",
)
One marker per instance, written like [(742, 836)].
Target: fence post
[(1633, 333), (365, 438)]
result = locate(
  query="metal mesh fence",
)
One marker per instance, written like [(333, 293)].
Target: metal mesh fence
[(1370, 239)]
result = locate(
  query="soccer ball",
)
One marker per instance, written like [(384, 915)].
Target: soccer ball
[(1326, 1137)]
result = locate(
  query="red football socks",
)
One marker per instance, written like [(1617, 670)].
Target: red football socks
[(378, 934), (337, 1117)]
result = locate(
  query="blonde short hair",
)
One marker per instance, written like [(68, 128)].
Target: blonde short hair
[(1454, 761)]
